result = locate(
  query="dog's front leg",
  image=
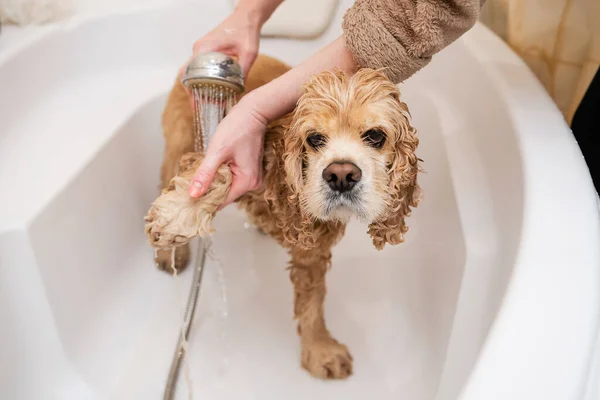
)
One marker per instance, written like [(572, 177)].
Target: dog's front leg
[(322, 355), (175, 147), (175, 218), (177, 144)]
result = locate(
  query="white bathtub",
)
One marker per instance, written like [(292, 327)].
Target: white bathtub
[(495, 294)]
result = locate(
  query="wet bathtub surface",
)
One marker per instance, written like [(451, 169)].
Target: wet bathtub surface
[(394, 308)]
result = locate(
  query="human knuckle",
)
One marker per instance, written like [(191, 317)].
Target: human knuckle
[(251, 54)]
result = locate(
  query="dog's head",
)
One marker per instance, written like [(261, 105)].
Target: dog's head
[(349, 152)]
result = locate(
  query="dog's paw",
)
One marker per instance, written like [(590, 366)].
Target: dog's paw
[(327, 359), (164, 259), (170, 222), (175, 218), (166, 240)]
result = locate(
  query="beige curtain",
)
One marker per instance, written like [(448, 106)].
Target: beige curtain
[(558, 39)]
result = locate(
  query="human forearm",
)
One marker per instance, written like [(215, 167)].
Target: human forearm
[(279, 97), (258, 11), (403, 35)]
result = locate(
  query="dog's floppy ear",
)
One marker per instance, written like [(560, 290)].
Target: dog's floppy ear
[(293, 156), (403, 189), (282, 183)]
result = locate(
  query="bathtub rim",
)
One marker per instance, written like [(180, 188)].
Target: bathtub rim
[(494, 375)]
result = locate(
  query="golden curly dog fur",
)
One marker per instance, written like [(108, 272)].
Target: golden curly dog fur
[(358, 119), (175, 218)]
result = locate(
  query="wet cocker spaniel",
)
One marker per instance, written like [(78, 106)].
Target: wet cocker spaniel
[(347, 150)]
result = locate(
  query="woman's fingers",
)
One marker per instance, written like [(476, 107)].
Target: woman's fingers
[(210, 42), (246, 60), (235, 191), (240, 186)]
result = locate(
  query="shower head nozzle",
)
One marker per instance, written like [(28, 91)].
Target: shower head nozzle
[(214, 68)]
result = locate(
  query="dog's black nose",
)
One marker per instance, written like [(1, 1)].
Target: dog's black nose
[(342, 176)]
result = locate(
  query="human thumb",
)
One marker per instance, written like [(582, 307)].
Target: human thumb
[(204, 176)]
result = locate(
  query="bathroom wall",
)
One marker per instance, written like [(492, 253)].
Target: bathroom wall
[(561, 45)]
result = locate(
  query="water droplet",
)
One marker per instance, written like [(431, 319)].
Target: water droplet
[(212, 104), (173, 267)]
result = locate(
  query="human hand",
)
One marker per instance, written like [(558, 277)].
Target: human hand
[(238, 142), (238, 36)]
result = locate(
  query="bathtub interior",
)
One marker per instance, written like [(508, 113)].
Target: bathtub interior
[(394, 308), (414, 316)]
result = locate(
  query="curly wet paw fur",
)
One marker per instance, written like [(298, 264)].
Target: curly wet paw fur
[(327, 359), (175, 218)]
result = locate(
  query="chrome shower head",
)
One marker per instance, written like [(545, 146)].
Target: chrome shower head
[(214, 68)]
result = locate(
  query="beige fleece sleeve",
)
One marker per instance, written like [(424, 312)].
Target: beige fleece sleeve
[(401, 36)]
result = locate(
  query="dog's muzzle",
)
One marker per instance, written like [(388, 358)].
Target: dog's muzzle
[(343, 188), (342, 176)]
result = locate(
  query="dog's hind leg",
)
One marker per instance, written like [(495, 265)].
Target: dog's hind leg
[(322, 355)]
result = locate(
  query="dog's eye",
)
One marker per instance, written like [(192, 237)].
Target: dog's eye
[(316, 140), (374, 137)]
